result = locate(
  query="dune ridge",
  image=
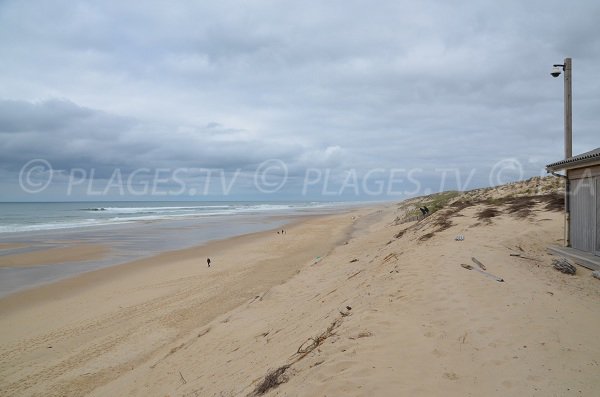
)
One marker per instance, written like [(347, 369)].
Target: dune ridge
[(371, 302)]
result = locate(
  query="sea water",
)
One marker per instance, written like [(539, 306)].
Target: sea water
[(28, 217), (131, 230)]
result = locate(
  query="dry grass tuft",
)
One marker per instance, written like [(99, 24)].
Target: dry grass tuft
[(521, 206), (461, 205), (271, 381), (277, 376), (554, 201), (312, 343), (443, 222), (400, 233), (444, 217), (487, 214)]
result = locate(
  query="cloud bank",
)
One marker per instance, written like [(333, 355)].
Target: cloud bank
[(345, 86)]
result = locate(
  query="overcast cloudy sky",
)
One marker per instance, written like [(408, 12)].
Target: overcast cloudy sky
[(352, 91)]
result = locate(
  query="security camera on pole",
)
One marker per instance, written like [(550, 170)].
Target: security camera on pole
[(568, 113), (566, 67)]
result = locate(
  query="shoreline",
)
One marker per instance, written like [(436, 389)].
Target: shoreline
[(32, 261), (74, 284), (134, 311), (80, 281), (359, 303)]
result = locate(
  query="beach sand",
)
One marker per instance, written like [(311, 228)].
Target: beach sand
[(339, 305), (47, 256), (10, 246)]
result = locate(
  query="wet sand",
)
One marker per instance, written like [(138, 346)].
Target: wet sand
[(36, 258), (47, 256), (10, 246)]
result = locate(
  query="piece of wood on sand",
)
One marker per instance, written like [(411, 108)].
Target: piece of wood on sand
[(523, 257), (478, 263), (490, 275)]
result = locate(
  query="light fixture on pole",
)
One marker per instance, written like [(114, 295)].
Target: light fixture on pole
[(556, 70)]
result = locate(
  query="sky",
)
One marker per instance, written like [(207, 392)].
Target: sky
[(287, 100)]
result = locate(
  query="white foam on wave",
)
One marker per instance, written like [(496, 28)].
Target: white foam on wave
[(133, 210), (104, 216), (15, 228)]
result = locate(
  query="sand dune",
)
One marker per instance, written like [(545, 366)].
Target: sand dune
[(339, 305)]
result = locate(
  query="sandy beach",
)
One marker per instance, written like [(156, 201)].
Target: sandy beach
[(7, 246), (299, 199), (353, 304), (41, 257)]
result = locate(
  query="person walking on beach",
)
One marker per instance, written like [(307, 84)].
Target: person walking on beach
[(208, 261)]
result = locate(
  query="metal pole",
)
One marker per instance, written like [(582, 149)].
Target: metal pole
[(567, 212), (568, 110), (568, 147)]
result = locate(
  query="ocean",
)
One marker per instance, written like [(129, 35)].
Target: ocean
[(31, 217), (131, 230)]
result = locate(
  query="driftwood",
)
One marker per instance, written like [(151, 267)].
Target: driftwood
[(478, 263), (355, 274), (490, 275), (563, 265), (523, 257)]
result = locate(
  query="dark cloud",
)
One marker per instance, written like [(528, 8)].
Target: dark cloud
[(71, 136), (343, 84)]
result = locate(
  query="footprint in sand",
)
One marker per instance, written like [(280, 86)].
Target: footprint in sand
[(451, 375), (507, 384), (438, 353), (484, 330)]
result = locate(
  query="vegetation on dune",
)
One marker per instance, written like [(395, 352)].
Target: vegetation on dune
[(438, 201), (433, 202), (518, 199)]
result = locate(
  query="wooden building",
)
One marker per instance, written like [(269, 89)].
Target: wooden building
[(582, 205)]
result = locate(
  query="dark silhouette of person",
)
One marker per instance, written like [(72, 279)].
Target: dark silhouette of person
[(423, 211), (208, 261), (426, 209)]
